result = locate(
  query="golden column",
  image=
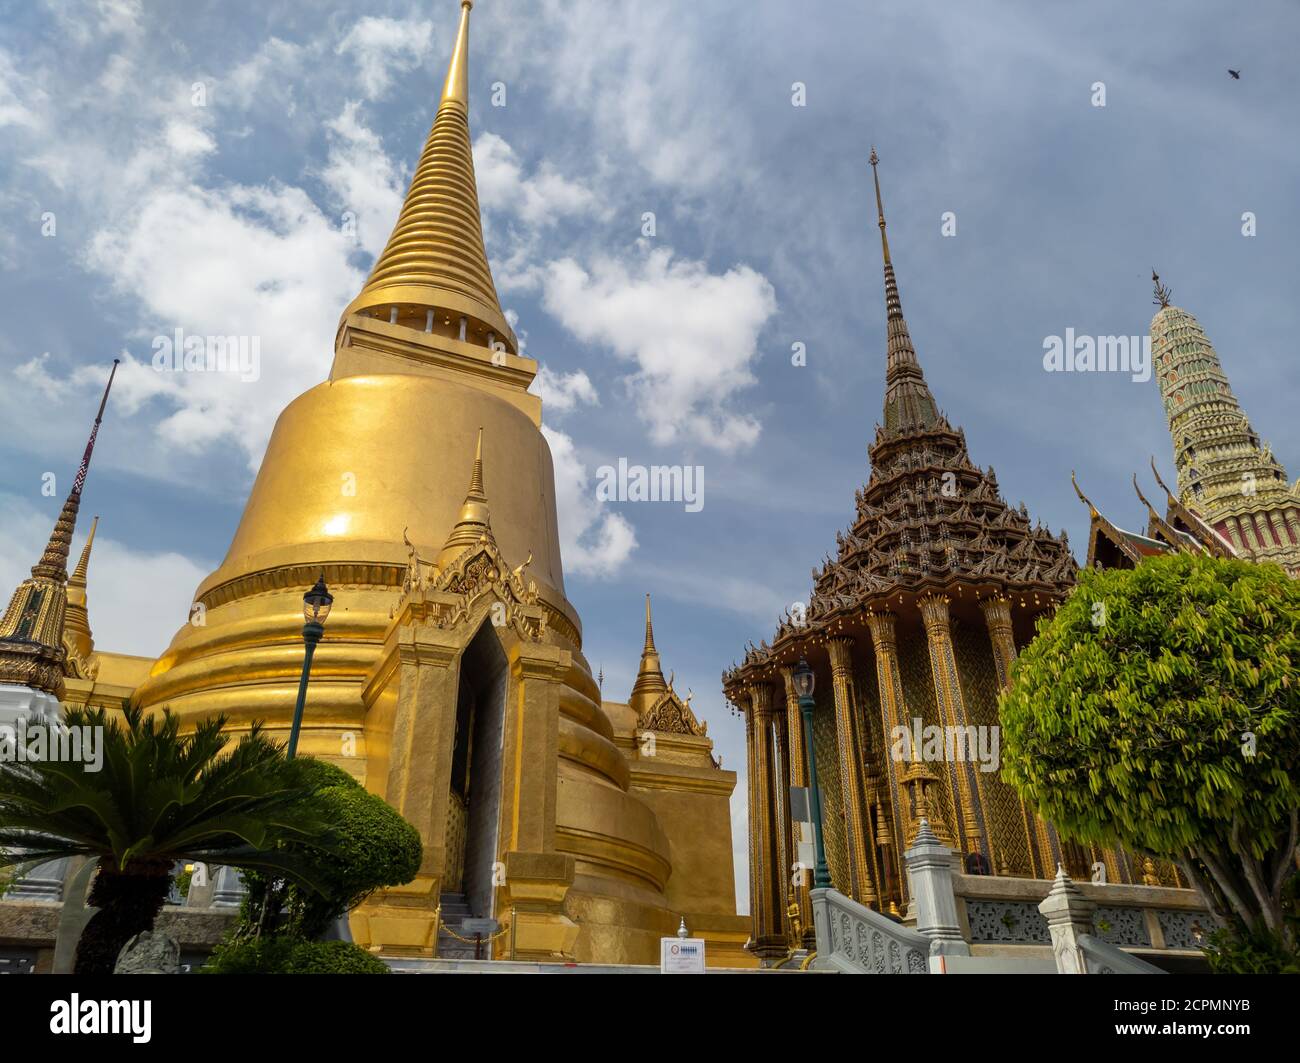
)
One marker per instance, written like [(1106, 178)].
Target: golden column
[(798, 767), (769, 940), (751, 773), (855, 825), (997, 617), (964, 780), (893, 707), (781, 793)]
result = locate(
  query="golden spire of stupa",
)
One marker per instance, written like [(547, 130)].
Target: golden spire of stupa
[(649, 683), (31, 630), (435, 266), (908, 402), (474, 521), (76, 621)]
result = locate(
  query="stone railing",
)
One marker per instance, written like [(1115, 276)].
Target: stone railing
[(1100, 957), (855, 940), (995, 912)]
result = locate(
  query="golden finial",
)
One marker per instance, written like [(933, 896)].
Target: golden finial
[(1163, 294), (455, 90), (649, 683), (475, 519), (476, 491), (78, 577)]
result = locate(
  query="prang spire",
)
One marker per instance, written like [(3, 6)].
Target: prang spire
[(434, 270), (54, 561), (32, 652), (908, 402)]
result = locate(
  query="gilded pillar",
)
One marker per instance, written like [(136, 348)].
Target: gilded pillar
[(769, 940), (751, 774), (963, 779), (781, 792), (851, 756), (997, 617), (893, 711), (797, 759)]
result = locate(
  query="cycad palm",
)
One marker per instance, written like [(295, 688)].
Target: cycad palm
[(160, 797)]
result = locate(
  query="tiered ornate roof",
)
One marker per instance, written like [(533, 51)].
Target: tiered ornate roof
[(928, 518)]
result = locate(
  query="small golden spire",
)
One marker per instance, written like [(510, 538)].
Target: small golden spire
[(1163, 294), (77, 635), (650, 682), (475, 521), (78, 577)]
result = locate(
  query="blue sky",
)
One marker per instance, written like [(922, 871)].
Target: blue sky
[(226, 218)]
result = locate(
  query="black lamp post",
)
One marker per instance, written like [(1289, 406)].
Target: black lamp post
[(315, 608), (803, 687)]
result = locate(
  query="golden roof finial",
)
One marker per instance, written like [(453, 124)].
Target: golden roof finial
[(76, 621), (650, 677), (649, 628), (475, 520), (78, 577), (435, 259), (1163, 294), (455, 90)]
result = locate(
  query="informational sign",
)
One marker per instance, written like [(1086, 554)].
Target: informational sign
[(681, 955), (800, 808)]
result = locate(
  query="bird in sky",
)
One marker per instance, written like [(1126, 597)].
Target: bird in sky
[(1235, 75)]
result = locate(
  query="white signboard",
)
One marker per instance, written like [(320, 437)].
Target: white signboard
[(681, 955)]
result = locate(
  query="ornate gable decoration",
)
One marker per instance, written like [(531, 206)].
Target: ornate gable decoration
[(452, 593), (671, 715)]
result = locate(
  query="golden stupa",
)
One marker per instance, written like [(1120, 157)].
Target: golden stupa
[(451, 678)]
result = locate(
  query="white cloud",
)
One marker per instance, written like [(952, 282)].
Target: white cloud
[(137, 599), (364, 179), (186, 138), (594, 542), (539, 200), (260, 262), (562, 392), (16, 92), (382, 47), (692, 334)]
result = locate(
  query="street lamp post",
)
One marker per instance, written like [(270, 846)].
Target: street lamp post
[(803, 687), (315, 608)]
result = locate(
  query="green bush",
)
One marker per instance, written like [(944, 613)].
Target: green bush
[(333, 957), (372, 846), (283, 954)]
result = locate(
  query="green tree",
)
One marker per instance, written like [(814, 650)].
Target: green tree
[(373, 847), (161, 797), (1159, 710)]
